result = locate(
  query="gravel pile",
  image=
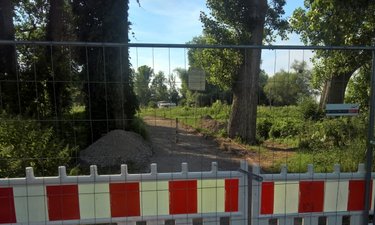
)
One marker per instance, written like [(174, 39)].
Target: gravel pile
[(118, 147)]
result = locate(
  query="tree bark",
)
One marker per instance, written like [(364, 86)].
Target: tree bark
[(242, 122), (55, 58), (8, 86), (334, 89)]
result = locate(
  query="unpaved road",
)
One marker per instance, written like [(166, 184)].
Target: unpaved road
[(173, 146)]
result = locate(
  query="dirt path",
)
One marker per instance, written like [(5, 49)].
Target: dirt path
[(171, 148)]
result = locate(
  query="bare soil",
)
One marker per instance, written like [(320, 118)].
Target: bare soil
[(174, 144)]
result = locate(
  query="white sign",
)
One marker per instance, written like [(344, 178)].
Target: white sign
[(342, 109), (197, 79)]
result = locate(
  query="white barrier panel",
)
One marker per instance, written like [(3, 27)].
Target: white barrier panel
[(309, 197), (207, 197)]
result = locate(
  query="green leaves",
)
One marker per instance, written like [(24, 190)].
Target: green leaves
[(25, 143), (336, 23)]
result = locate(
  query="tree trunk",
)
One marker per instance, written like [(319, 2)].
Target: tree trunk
[(55, 58), (110, 100), (8, 88), (242, 122), (334, 89)]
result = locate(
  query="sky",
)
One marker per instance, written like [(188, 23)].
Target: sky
[(177, 22)]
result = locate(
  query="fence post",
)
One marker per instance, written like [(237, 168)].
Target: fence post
[(370, 142)]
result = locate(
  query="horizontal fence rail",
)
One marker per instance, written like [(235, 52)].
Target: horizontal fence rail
[(161, 45)]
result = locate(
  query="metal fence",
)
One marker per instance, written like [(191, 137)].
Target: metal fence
[(69, 103)]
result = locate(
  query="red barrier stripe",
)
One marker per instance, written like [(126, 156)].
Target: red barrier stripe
[(7, 210), (183, 196), (124, 199), (231, 195), (356, 201), (311, 196), (63, 203), (267, 196)]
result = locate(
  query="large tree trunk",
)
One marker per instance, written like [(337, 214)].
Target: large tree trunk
[(242, 121), (55, 32), (8, 87), (110, 100), (334, 89)]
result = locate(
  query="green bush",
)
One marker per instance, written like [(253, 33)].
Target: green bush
[(285, 128), (309, 108), (139, 126), (347, 157), (219, 110), (25, 143), (264, 126), (332, 133)]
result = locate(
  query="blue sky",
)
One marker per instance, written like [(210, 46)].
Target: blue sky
[(177, 21)]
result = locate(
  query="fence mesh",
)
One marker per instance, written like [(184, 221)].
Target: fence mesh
[(75, 105)]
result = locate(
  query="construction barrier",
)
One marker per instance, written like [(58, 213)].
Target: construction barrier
[(212, 197), (309, 198)]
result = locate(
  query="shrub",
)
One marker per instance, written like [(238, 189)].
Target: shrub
[(283, 128), (219, 110), (333, 132), (309, 108), (25, 143), (263, 128), (139, 126)]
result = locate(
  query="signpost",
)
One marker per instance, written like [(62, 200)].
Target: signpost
[(342, 109), (197, 79)]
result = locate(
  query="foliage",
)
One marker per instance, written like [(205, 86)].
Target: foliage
[(285, 88), (172, 89), (263, 78), (333, 133), (346, 23), (309, 108), (105, 21), (159, 90), (358, 90), (142, 79), (241, 23), (218, 109), (348, 157), (139, 126), (24, 143), (264, 126)]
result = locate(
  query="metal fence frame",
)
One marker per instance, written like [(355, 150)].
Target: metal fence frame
[(370, 139)]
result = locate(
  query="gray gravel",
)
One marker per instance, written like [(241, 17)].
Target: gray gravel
[(118, 147)]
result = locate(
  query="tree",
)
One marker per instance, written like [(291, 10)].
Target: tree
[(8, 88), (142, 79), (110, 99), (244, 22), (286, 88), (172, 89), (358, 90), (57, 59), (214, 90), (183, 75), (345, 23), (159, 90), (263, 78)]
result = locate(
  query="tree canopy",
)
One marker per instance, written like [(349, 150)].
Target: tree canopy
[(336, 23), (286, 88)]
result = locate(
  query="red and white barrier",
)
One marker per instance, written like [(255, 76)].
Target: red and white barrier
[(310, 196), (212, 197), (122, 198)]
